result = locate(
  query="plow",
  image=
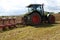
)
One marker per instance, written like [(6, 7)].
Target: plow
[(35, 16)]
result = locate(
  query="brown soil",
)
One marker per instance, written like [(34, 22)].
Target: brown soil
[(57, 17)]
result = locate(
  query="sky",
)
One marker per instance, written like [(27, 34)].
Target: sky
[(18, 7)]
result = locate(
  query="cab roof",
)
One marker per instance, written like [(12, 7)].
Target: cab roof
[(31, 5)]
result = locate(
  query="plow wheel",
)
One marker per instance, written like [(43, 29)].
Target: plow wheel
[(35, 18), (51, 19)]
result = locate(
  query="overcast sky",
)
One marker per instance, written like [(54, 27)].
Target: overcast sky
[(18, 7)]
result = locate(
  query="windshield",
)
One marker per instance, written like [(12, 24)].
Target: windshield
[(39, 8), (30, 9)]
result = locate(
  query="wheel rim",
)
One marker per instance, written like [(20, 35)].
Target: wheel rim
[(36, 19)]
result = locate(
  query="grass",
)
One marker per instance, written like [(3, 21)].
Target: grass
[(42, 32)]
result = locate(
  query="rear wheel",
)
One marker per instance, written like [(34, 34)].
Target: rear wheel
[(35, 18), (51, 19)]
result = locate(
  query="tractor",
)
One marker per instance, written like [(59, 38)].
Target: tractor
[(36, 15)]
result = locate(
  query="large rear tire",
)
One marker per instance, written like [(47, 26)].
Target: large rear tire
[(35, 18)]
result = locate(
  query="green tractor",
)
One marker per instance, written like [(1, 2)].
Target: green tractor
[(36, 15)]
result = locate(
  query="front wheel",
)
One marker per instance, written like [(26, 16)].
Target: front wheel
[(51, 19)]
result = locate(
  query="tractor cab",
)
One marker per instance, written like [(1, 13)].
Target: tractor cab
[(36, 7)]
